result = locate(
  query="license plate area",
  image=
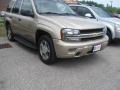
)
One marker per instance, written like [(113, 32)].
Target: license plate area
[(97, 48)]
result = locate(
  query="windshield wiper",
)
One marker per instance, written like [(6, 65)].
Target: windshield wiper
[(69, 14), (49, 13), (58, 13)]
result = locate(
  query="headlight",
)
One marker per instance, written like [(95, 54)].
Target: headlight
[(117, 27), (70, 35)]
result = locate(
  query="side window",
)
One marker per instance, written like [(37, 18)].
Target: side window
[(74, 8), (17, 6), (82, 11), (26, 9), (10, 5)]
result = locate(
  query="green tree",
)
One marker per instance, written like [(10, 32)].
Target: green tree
[(108, 8)]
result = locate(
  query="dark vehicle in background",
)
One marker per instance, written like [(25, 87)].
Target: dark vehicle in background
[(117, 15)]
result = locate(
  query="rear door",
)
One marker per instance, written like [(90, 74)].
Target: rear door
[(8, 14)]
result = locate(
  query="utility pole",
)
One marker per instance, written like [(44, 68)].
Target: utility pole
[(111, 3)]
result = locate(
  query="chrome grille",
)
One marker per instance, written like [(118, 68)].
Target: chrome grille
[(91, 34), (89, 39), (91, 31)]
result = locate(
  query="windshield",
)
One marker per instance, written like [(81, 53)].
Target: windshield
[(53, 7), (101, 12)]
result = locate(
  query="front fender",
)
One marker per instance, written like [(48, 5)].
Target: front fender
[(53, 31), (111, 27)]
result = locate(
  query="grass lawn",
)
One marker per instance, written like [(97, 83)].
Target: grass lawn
[(2, 30)]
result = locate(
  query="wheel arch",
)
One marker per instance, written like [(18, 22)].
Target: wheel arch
[(39, 33), (111, 32)]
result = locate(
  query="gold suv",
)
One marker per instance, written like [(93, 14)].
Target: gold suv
[(54, 29)]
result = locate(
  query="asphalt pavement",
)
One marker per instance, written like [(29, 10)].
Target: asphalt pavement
[(21, 69)]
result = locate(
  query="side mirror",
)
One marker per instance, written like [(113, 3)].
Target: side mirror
[(2, 13), (88, 15), (27, 13)]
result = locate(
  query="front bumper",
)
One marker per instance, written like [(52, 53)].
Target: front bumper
[(73, 50)]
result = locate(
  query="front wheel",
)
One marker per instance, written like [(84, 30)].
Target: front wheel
[(109, 36), (46, 50), (10, 35)]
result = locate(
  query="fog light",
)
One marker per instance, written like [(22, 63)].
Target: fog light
[(78, 54)]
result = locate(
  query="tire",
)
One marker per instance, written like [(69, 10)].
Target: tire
[(109, 36), (10, 34), (46, 50)]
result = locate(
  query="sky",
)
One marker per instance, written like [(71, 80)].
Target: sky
[(116, 3)]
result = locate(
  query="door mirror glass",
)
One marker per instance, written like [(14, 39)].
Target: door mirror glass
[(88, 15)]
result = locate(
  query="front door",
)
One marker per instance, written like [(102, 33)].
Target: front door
[(26, 20)]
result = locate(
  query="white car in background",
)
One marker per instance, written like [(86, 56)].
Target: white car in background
[(96, 13)]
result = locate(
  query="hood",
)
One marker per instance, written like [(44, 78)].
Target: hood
[(112, 20), (73, 22)]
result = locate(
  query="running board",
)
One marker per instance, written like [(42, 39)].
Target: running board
[(25, 42)]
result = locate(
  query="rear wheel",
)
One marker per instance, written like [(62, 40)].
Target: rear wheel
[(46, 50), (10, 34)]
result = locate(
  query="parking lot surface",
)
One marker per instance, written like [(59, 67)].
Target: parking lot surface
[(21, 69)]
